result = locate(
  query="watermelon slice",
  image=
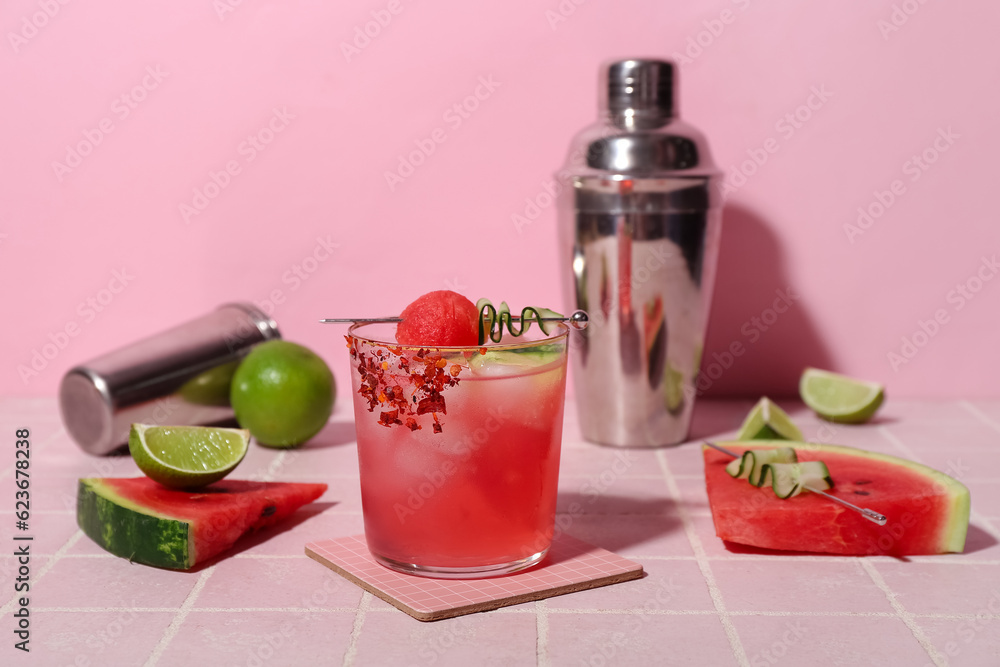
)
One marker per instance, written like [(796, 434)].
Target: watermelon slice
[(440, 318), (138, 519), (928, 511)]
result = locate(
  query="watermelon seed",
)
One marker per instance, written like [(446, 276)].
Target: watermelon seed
[(862, 493), (269, 510), (863, 481)]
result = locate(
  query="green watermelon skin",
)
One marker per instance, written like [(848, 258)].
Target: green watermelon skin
[(138, 519), (927, 511)]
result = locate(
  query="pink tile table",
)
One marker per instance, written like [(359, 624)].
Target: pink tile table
[(699, 603)]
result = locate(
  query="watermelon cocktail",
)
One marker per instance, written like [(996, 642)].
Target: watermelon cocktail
[(458, 449)]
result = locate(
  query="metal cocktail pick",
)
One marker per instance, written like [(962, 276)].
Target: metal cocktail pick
[(871, 515), (577, 320)]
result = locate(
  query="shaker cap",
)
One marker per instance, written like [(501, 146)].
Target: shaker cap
[(638, 87)]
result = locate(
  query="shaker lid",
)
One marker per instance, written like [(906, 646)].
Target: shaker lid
[(638, 86)]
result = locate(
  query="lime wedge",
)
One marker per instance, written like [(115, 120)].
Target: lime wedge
[(673, 390), (839, 398), (768, 422), (184, 457)]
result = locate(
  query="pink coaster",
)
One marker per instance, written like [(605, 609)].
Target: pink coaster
[(571, 565)]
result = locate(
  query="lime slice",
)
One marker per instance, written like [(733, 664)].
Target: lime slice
[(184, 457), (509, 362), (768, 422), (839, 398)]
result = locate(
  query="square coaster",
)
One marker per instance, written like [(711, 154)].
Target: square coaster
[(571, 565)]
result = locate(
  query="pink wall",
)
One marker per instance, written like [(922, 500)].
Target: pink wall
[(164, 96)]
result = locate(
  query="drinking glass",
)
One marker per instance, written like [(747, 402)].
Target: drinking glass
[(458, 450)]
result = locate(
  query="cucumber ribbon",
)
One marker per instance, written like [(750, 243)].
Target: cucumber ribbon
[(780, 469), (492, 320)]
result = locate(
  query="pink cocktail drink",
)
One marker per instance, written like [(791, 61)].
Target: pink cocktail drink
[(458, 450)]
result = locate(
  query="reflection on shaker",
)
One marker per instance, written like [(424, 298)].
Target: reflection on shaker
[(629, 341), (178, 376), (638, 226)]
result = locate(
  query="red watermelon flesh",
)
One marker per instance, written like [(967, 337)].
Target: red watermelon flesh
[(139, 519), (441, 318), (927, 511)]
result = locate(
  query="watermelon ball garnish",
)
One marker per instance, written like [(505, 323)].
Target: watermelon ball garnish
[(440, 318)]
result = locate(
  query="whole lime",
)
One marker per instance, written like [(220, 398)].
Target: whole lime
[(282, 393)]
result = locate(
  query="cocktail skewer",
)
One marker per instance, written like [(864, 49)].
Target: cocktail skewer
[(359, 320), (871, 515), (577, 320)]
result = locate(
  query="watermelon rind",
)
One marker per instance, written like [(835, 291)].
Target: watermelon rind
[(954, 526), (126, 530), (138, 519)]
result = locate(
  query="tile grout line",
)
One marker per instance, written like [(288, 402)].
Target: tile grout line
[(359, 620), (569, 611), (983, 417), (275, 466), (542, 634), (910, 454), (174, 610), (40, 446), (703, 564), (735, 558), (178, 619), (903, 615), (876, 576), (56, 557)]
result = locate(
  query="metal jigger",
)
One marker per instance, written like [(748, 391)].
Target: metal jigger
[(639, 224)]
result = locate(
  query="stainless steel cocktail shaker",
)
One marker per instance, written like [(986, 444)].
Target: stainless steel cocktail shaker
[(178, 376), (639, 223)]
